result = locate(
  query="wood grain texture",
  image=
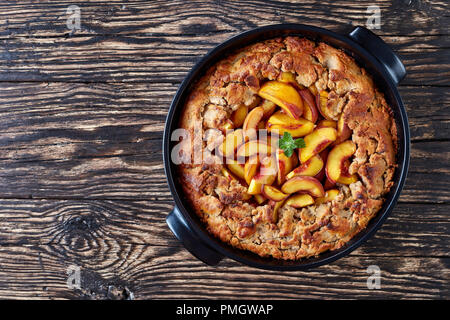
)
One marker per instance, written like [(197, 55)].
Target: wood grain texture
[(152, 272), (154, 60), (81, 174), (87, 224)]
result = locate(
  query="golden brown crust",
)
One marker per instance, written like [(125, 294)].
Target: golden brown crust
[(298, 233)]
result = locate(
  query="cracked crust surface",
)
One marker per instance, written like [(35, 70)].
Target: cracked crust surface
[(305, 232)]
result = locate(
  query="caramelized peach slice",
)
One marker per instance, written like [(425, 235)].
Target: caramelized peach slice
[(343, 131), (267, 169), (283, 95), (304, 184), (252, 148), (284, 123), (313, 90), (253, 118), (327, 123), (310, 168), (227, 174), (267, 175), (228, 125), (273, 193), (285, 164), (323, 105), (287, 77), (299, 200), (254, 187), (328, 184), (238, 116), (323, 155), (259, 198), (275, 206), (236, 168), (250, 168), (348, 179), (231, 142), (317, 141), (336, 159), (309, 108), (329, 196), (269, 108)]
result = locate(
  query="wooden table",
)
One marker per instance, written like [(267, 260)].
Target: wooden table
[(81, 175)]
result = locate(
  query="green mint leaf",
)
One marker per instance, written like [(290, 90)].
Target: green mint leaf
[(288, 144), (300, 143), (288, 152)]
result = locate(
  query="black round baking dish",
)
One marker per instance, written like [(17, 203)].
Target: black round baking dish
[(370, 52)]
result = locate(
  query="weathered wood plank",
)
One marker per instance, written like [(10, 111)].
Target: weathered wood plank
[(150, 272), (41, 19), (411, 230), (154, 59)]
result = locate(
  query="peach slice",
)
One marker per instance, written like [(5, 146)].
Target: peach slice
[(275, 206), (329, 196), (327, 123), (238, 116), (348, 180), (227, 174), (285, 164), (267, 175), (336, 159), (236, 168), (268, 170), (231, 142), (253, 118), (269, 108), (346, 177), (299, 200), (317, 141), (252, 148), (284, 123), (228, 125), (273, 193), (309, 108), (254, 187), (324, 156), (287, 77), (343, 131), (313, 90), (250, 168), (304, 184), (328, 184), (310, 168), (322, 105), (259, 198), (283, 95)]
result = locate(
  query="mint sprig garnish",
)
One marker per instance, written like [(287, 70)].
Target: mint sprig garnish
[(288, 144)]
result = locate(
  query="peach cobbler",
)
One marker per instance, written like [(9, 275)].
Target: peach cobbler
[(295, 150)]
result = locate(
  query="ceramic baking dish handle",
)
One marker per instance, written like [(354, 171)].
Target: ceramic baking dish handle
[(191, 242), (379, 49)]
